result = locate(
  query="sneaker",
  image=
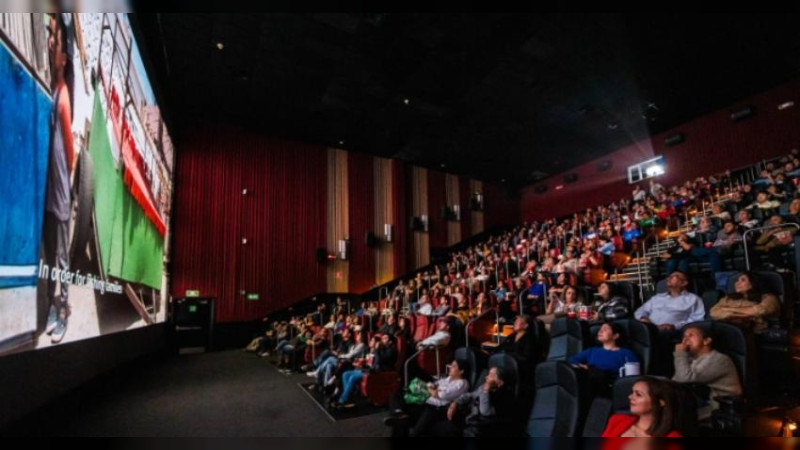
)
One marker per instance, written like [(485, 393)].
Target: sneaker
[(52, 320), (312, 374), (59, 331)]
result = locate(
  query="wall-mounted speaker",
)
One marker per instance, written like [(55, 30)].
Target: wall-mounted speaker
[(742, 113), (371, 239), (674, 139)]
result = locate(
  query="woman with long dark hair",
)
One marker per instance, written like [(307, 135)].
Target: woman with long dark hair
[(653, 405), (747, 306)]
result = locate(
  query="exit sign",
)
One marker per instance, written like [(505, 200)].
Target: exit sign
[(252, 296), (190, 293)]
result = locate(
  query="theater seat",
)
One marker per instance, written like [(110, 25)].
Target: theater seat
[(556, 408), (508, 365), (597, 418), (379, 387), (467, 354), (567, 337)]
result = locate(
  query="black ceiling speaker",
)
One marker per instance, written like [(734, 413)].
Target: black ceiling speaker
[(570, 178), (605, 165), (742, 113), (540, 188), (674, 139)]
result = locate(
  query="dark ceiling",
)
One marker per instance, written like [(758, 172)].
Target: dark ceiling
[(498, 97)]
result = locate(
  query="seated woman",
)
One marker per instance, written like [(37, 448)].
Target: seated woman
[(653, 408), (609, 305), (567, 302), (390, 327), (604, 362), (747, 306), (441, 394)]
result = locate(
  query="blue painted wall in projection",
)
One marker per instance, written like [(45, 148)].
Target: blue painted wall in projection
[(24, 139)]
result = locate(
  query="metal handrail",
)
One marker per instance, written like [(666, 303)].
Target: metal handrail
[(405, 368), (752, 230)]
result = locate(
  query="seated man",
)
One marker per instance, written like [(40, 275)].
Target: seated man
[(493, 399), (727, 238), (696, 361), (442, 336), (673, 309), (383, 355), (669, 312), (678, 256)]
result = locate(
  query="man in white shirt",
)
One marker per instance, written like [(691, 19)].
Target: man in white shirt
[(439, 339), (673, 309), (669, 312)]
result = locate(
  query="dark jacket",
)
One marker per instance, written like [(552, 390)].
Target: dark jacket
[(384, 359)]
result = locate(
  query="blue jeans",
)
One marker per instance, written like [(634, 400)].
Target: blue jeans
[(708, 254), (322, 358), (681, 264), (326, 370), (350, 380)]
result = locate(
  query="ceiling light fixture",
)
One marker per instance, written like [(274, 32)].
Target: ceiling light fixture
[(406, 101), (220, 46), (785, 105)]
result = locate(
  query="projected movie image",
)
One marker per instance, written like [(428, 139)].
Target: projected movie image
[(86, 164)]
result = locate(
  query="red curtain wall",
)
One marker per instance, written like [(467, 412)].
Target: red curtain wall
[(361, 187), (464, 196), (283, 218), (437, 199)]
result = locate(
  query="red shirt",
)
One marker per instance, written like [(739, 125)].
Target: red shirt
[(618, 424)]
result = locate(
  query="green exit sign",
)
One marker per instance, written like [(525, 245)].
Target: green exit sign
[(192, 293), (252, 296), (192, 308)]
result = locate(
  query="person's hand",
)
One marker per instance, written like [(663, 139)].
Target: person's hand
[(645, 320), (665, 256), (666, 327), (680, 347), (451, 411)]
